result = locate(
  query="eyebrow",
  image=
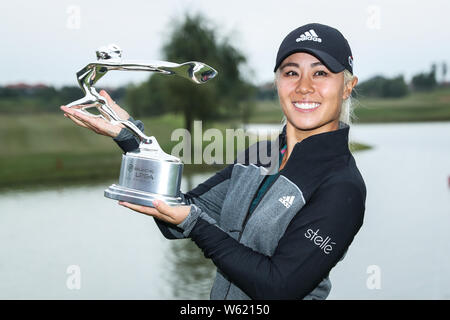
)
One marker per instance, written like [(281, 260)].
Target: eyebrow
[(293, 64)]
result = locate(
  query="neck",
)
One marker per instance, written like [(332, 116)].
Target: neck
[(295, 135)]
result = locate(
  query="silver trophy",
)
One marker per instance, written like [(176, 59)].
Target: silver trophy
[(147, 173)]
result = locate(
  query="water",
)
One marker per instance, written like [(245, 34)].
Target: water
[(122, 255), (407, 222)]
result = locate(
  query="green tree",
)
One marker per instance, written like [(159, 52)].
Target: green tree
[(192, 39), (141, 99), (444, 71), (425, 81), (395, 87), (382, 87)]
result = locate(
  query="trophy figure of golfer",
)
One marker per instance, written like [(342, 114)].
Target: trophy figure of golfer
[(147, 173)]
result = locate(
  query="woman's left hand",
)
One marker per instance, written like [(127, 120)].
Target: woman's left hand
[(174, 215)]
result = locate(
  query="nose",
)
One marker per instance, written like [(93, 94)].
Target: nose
[(304, 85)]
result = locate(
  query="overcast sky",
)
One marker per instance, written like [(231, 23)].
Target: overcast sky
[(48, 41)]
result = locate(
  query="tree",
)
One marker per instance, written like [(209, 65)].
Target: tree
[(444, 71), (192, 39), (145, 99), (395, 87), (380, 86), (425, 81)]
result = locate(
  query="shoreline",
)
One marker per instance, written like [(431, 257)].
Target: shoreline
[(60, 169)]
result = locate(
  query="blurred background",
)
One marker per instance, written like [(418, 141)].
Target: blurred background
[(61, 239)]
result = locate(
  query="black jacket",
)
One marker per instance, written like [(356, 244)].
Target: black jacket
[(302, 226)]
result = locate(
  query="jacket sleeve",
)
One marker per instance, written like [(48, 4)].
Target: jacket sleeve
[(207, 196), (315, 240), (127, 140)]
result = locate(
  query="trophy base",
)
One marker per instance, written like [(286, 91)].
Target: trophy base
[(120, 193)]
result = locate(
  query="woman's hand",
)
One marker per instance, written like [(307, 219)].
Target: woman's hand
[(162, 211), (97, 124)]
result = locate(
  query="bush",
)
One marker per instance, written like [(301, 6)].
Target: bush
[(382, 87)]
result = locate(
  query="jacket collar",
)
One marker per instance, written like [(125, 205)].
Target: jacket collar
[(311, 156), (314, 158), (321, 146)]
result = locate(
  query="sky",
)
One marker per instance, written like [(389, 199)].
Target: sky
[(47, 41)]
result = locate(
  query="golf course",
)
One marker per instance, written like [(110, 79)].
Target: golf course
[(42, 148)]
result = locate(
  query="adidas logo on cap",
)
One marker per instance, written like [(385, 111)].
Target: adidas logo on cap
[(287, 200), (309, 35)]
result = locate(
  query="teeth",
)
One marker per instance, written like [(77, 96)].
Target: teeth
[(306, 105)]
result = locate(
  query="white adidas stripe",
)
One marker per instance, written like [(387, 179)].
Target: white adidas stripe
[(313, 33), (291, 200)]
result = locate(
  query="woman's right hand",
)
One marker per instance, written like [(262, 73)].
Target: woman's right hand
[(97, 124)]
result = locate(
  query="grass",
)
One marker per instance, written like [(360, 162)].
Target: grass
[(50, 149), (267, 111), (418, 106), (45, 148), (19, 171)]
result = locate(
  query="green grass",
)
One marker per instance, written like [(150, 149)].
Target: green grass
[(48, 168), (267, 111), (357, 146), (418, 106), (49, 149), (43, 148)]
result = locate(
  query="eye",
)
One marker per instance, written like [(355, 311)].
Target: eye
[(321, 73), (290, 73)]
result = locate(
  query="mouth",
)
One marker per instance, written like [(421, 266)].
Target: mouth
[(306, 106)]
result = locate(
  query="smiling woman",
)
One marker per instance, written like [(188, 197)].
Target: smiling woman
[(276, 233)]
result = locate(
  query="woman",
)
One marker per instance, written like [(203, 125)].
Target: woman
[(277, 236)]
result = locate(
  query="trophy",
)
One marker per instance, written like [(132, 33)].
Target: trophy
[(148, 173)]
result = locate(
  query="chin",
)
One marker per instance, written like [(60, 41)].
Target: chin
[(310, 123), (306, 124)]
